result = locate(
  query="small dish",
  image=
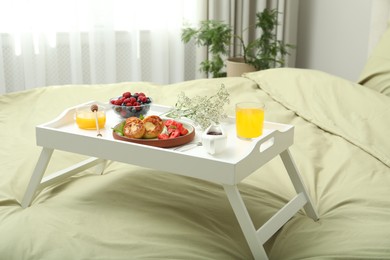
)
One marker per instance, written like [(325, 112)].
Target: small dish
[(214, 139), (126, 110)]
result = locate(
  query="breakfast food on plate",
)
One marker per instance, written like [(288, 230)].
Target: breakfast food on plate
[(154, 125), (133, 128), (150, 127)]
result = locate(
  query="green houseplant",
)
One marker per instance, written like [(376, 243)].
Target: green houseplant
[(262, 53), (216, 36)]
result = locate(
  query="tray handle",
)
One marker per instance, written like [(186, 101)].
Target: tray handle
[(271, 145)]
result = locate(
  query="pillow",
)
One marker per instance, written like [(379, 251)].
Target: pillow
[(376, 73), (336, 105)]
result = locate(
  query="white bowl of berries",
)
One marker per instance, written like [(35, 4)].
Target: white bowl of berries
[(131, 104)]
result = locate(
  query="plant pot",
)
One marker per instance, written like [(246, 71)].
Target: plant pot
[(235, 67)]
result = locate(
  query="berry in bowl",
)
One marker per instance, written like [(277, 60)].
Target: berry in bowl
[(129, 104)]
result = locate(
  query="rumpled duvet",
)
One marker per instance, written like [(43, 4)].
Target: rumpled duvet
[(341, 148)]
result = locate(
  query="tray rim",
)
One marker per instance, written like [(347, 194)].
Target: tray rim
[(60, 137)]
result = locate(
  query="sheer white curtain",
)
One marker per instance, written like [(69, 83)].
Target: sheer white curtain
[(57, 42), (53, 42)]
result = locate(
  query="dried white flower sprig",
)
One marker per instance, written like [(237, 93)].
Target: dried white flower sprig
[(204, 111)]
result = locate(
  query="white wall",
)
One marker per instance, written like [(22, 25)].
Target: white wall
[(333, 36)]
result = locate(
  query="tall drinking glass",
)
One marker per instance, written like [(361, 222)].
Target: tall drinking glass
[(249, 119)]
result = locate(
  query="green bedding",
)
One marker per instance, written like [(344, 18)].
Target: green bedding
[(342, 149)]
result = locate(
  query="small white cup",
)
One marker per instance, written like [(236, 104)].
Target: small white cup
[(214, 139)]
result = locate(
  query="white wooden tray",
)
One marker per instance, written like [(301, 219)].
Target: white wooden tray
[(239, 160)]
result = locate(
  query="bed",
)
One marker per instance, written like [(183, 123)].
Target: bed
[(341, 148)]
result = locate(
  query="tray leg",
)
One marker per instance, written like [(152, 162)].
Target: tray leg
[(99, 168), (37, 175), (38, 182), (245, 221), (298, 183)]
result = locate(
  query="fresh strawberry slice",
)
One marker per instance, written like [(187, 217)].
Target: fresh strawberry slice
[(169, 122), (162, 136), (179, 126), (183, 131), (174, 134), (170, 130)]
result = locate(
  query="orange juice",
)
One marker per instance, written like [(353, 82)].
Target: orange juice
[(249, 120), (87, 120)]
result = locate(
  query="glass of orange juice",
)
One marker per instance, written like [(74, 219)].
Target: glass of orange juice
[(249, 119), (86, 119)]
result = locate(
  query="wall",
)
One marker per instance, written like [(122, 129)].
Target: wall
[(333, 36)]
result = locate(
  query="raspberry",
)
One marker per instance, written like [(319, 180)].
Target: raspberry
[(126, 94), (142, 99)]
